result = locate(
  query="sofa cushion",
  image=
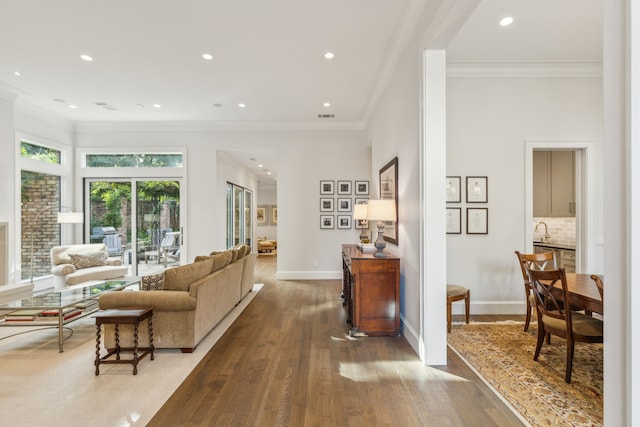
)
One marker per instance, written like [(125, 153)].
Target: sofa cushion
[(180, 278), (218, 260), (234, 254), (153, 282), (92, 259)]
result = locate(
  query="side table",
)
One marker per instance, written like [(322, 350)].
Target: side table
[(124, 316)]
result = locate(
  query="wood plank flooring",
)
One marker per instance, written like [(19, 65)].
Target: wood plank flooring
[(288, 361)]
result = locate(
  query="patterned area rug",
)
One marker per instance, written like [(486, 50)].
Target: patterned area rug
[(502, 353)]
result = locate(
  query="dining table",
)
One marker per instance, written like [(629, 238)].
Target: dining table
[(583, 293)]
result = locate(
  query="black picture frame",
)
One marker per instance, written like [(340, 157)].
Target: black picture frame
[(454, 193), (344, 188), (326, 204), (477, 220), (362, 188), (327, 187), (326, 222), (454, 220), (344, 221), (345, 204), (477, 189)]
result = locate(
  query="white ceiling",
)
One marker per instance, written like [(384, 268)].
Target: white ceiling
[(267, 54)]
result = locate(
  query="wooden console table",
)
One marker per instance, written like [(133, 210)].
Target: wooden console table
[(371, 292)]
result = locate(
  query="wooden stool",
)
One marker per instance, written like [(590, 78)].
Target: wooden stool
[(132, 316), (457, 293)]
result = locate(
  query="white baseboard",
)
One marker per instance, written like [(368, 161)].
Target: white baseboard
[(309, 275), (490, 307)]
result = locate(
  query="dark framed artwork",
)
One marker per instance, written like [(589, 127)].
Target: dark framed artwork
[(389, 190), (326, 204), (477, 189), (344, 221), (454, 220), (326, 221), (326, 187), (344, 204), (362, 188), (344, 188), (453, 189), (477, 220)]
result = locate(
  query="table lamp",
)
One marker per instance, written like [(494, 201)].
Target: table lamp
[(360, 214), (381, 210)]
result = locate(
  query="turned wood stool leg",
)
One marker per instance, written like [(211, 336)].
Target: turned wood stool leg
[(97, 362)]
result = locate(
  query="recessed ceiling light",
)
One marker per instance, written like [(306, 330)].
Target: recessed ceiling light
[(327, 104), (260, 166), (207, 56), (157, 106), (506, 21), (329, 55), (268, 173), (242, 105), (86, 57), (73, 107), (17, 73)]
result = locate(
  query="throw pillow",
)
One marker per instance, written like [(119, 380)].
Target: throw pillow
[(152, 283), (87, 260)]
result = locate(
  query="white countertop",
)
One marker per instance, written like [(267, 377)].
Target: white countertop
[(555, 245)]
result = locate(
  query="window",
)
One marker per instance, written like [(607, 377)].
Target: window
[(39, 152), (239, 215), (141, 160)]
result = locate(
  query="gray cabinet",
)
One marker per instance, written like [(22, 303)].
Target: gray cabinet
[(554, 184), (566, 258)]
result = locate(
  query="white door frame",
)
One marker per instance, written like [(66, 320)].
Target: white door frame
[(585, 231)]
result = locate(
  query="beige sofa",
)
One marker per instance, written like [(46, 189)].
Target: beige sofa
[(73, 264), (193, 300)]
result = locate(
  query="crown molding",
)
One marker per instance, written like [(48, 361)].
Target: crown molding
[(47, 116), (212, 126), (524, 69)]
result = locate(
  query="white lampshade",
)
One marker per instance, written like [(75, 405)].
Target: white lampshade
[(381, 210), (360, 211), (70, 217)]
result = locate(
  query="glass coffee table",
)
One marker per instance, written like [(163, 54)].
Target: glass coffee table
[(57, 308)]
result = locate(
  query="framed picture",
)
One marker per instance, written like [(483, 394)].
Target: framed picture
[(326, 187), (274, 215), (454, 220), (361, 200), (344, 221), (362, 188), (326, 204), (453, 189), (344, 204), (344, 187), (477, 221), (261, 215), (389, 190), (477, 189), (326, 221)]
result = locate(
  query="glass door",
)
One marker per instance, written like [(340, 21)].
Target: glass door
[(143, 231), (239, 215)]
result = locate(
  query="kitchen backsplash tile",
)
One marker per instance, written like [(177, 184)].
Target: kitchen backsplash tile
[(561, 230)]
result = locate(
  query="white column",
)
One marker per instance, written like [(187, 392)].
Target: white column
[(434, 242), (8, 179)]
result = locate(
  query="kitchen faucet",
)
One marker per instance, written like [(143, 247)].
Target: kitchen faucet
[(546, 232)]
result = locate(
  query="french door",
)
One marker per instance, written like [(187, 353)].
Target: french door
[(138, 219)]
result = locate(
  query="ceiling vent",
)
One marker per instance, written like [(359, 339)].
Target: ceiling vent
[(105, 105), (325, 116)]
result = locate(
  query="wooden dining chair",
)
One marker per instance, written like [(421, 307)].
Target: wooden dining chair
[(541, 261), (554, 319), (599, 284)]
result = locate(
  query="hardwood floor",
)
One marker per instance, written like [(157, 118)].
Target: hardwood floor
[(288, 361)]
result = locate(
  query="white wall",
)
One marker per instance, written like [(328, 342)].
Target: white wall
[(304, 158), (267, 197), (488, 121)]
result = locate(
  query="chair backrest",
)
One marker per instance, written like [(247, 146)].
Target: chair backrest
[(169, 241), (599, 284), (551, 302), (541, 261), (113, 242)]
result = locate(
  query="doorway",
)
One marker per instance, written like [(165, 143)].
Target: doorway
[(582, 209), (138, 219)]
